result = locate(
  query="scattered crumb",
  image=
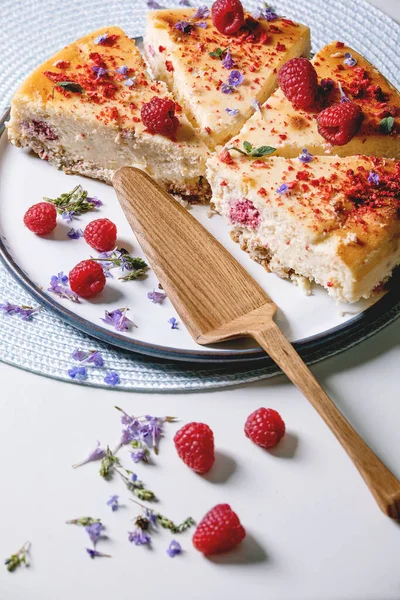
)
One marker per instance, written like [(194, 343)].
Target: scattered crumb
[(303, 283)]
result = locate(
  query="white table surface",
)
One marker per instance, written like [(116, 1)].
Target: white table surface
[(314, 531)]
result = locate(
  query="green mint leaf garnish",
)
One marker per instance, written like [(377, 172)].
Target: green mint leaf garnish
[(70, 86), (250, 150), (218, 52), (386, 125)]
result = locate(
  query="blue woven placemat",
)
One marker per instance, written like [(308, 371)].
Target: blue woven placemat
[(32, 31)]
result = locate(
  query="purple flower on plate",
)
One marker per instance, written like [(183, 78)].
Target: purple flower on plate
[(113, 503), (96, 454), (282, 189), (174, 549), (78, 373), (235, 78), (202, 12), (122, 70), (201, 24), (228, 61), (99, 71), (173, 322), (156, 297), (130, 82), (349, 60), (112, 378), (305, 156), (75, 234), (184, 26), (93, 553), (139, 537), (94, 531), (153, 4), (256, 105), (117, 318), (373, 178), (95, 201), (68, 215), (101, 38), (232, 112)]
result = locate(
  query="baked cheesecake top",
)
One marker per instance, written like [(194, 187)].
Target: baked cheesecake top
[(343, 75), (356, 198), (221, 78), (101, 77)]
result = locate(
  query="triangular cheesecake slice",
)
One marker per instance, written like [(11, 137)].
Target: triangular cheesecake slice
[(281, 125), (218, 79), (81, 111), (332, 220)]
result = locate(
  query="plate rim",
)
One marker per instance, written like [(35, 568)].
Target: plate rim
[(363, 325)]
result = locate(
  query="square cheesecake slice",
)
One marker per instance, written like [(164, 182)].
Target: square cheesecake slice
[(81, 111), (281, 125), (331, 220), (219, 79)]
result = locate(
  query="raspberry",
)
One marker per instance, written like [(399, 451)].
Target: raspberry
[(158, 116), (220, 530), (299, 82), (87, 279), (195, 446), (101, 235), (265, 427), (340, 122), (227, 16), (41, 218)]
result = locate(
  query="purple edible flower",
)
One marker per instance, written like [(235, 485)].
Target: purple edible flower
[(305, 156), (95, 201), (343, 97), (173, 322), (68, 215), (184, 26), (156, 297), (75, 234), (349, 60), (232, 112), (235, 78), (79, 355), (58, 285), (266, 14), (96, 454), (24, 312), (282, 189), (139, 537), (78, 373), (201, 24), (202, 12), (138, 455), (92, 553), (153, 4), (130, 82), (96, 358), (228, 61), (227, 89), (101, 38), (99, 71), (94, 532), (88, 357), (112, 378), (174, 549), (113, 502), (122, 70), (256, 105), (373, 178), (184, 3), (118, 320), (151, 516)]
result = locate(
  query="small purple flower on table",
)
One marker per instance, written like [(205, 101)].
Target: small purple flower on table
[(174, 549), (93, 553), (228, 61), (113, 503), (138, 455), (173, 322), (24, 312), (156, 297), (139, 537), (75, 234), (202, 12), (95, 201), (373, 178), (184, 26), (94, 532), (68, 215), (282, 189), (112, 378), (96, 454), (305, 156), (78, 373)]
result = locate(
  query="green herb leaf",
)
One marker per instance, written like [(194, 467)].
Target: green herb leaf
[(108, 464), (74, 201), (218, 52), (18, 559), (248, 147), (262, 151), (84, 521), (386, 125), (136, 274), (70, 86)]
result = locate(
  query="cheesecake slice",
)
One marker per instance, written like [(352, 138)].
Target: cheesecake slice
[(219, 79), (281, 125), (331, 220), (81, 111)]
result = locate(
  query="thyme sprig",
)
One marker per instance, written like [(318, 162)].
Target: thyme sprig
[(19, 558), (163, 521), (119, 257), (76, 201), (84, 521), (111, 464)]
